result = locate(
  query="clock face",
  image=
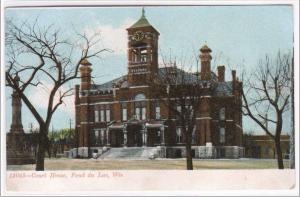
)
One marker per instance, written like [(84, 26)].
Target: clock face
[(138, 36)]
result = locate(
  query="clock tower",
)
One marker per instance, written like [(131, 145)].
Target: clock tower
[(142, 52)]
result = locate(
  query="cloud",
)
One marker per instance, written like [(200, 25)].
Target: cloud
[(39, 97), (113, 38)]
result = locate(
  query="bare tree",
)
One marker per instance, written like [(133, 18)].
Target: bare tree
[(181, 92), (37, 56), (266, 97)]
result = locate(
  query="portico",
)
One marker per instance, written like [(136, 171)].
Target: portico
[(135, 134)]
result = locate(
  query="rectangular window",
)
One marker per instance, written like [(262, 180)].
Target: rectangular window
[(102, 118), (107, 115), (102, 136), (96, 116), (222, 113), (96, 134), (157, 113), (124, 114), (178, 109), (137, 113), (144, 113), (222, 135), (194, 135), (178, 135)]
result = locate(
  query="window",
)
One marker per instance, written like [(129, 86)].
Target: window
[(102, 118), (143, 55), (178, 135), (96, 137), (178, 109), (96, 116), (140, 97), (144, 113), (102, 136), (222, 113), (140, 107), (157, 112), (137, 113), (124, 114), (96, 134), (222, 135), (194, 135), (107, 115)]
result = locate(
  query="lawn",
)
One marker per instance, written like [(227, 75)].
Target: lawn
[(159, 164)]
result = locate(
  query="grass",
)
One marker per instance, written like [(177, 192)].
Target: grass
[(159, 164)]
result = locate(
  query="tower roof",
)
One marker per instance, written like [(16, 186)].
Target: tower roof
[(142, 22), (205, 48), (85, 62)]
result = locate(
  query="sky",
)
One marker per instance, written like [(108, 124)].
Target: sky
[(239, 37)]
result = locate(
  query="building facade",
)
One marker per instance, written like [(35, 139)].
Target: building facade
[(125, 112)]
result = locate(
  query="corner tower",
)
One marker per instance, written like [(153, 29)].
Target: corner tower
[(142, 52), (205, 58)]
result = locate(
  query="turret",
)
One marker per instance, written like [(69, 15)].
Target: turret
[(85, 73), (205, 58)]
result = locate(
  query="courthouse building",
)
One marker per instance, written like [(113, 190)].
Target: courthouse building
[(124, 112)]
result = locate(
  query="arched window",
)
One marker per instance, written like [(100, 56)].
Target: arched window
[(140, 97), (222, 113)]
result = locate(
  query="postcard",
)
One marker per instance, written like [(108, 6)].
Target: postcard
[(150, 98)]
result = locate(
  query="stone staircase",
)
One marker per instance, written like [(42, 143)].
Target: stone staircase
[(130, 153)]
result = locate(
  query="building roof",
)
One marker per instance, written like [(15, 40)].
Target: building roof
[(220, 88), (223, 89)]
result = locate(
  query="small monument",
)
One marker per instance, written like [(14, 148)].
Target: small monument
[(18, 144)]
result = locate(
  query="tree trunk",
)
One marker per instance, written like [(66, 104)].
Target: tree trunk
[(279, 153), (188, 148), (189, 159), (40, 157)]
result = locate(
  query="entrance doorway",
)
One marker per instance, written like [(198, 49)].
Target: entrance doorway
[(134, 135), (117, 138)]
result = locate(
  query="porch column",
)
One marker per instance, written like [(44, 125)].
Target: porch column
[(144, 134), (162, 130), (107, 137), (125, 135)]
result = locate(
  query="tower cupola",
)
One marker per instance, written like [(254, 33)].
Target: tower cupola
[(142, 52)]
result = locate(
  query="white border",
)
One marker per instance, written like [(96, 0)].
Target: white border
[(295, 3)]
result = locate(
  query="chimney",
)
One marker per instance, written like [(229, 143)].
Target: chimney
[(233, 81), (221, 73), (205, 58), (85, 74)]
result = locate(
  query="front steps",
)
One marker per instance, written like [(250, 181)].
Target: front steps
[(131, 153)]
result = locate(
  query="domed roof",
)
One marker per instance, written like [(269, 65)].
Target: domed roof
[(205, 48), (85, 62)]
